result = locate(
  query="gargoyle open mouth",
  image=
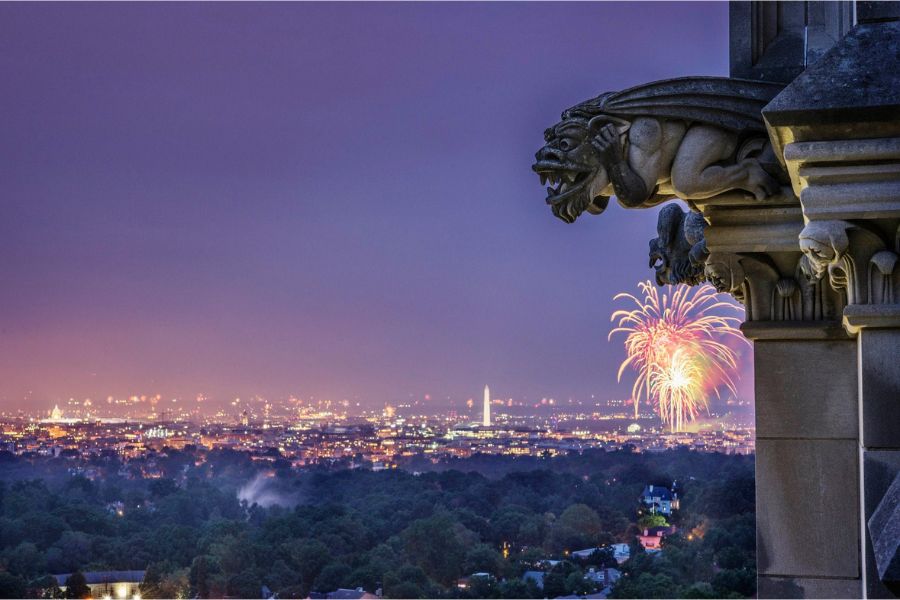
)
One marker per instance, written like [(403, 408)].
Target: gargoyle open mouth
[(564, 180), (566, 183)]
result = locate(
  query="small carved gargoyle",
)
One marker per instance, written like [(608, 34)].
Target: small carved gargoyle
[(691, 138), (679, 253)]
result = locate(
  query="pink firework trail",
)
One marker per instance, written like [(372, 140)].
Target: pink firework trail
[(678, 348)]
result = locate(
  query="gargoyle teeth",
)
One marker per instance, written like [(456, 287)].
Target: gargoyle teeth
[(570, 176), (543, 178)]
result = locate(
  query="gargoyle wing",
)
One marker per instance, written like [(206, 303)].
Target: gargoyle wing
[(732, 104)]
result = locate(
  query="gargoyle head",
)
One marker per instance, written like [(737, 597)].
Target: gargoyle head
[(725, 273), (822, 242), (578, 181)]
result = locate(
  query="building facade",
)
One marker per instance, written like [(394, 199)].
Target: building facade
[(790, 170), (109, 585)]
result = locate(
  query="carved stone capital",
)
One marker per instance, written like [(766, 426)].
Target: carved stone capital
[(752, 280), (854, 257), (768, 291)]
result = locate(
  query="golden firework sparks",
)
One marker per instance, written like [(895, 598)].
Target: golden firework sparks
[(678, 348)]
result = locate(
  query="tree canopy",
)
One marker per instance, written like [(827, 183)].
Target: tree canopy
[(410, 534)]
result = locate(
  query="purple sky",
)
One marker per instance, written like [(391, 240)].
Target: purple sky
[(315, 199)]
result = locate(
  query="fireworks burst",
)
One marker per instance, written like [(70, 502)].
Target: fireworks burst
[(678, 349)]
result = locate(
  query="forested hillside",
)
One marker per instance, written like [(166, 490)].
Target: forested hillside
[(411, 533)]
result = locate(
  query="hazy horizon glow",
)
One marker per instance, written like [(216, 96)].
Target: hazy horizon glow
[(328, 200)]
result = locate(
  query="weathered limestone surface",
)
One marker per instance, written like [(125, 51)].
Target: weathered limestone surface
[(794, 517), (804, 587), (774, 41), (800, 394), (853, 88), (875, 11), (879, 374), (806, 442)]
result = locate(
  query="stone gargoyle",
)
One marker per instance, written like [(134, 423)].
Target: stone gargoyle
[(691, 138), (679, 253)]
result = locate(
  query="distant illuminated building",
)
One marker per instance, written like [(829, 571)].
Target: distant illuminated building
[(57, 417), (158, 433), (487, 407), (120, 585), (634, 428)]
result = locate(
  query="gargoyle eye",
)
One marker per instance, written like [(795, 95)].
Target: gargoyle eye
[(565, 145)]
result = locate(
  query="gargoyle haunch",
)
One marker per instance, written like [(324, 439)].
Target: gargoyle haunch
[(691, 138)]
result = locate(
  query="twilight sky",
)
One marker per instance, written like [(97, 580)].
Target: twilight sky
[(314, 199)]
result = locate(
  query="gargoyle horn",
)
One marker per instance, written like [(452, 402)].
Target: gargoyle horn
[(600, 120)]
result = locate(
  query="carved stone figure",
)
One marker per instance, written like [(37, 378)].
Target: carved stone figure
[(679, 253), (691, 138), (725, 273), (754, 281), (854, 258), (822, 242)]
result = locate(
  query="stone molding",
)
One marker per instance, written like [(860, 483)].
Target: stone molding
[(793, 331), (846, 178), (871, 316)]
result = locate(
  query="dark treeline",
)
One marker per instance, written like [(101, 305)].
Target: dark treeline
[(412, 533)]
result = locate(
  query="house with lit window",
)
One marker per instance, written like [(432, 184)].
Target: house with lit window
[(652, 537), (621, 552), (109, 585), (659, 499)]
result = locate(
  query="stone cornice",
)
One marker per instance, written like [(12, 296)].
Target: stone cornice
[(846, 178), (852, 85), (872, 316), (794, 331)]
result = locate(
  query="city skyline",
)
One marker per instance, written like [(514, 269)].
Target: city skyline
[(185, 216), (155, 409)]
